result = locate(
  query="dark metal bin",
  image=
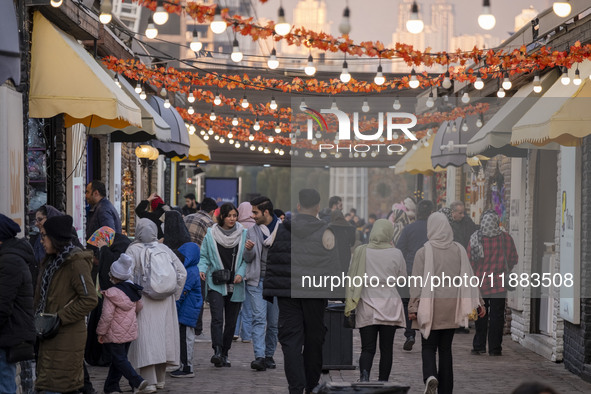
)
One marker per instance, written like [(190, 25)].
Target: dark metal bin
[(337, 351)]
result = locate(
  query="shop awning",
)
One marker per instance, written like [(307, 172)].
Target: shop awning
[(199, 149), (179, 143), (494, 138), (419, 160), (66, 79), (153, 126), (561, 116), (10, 61), (455, 157)]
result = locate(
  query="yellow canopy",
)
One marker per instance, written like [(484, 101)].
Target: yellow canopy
[(198, 149), (66, 79), (561, 116), (419, 160)]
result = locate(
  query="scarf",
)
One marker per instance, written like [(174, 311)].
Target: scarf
[(379, 238), (399, 220), (268, 235), (227, 238), (489, 227), (447, 212), (52, 266)]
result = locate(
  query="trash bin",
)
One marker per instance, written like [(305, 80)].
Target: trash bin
[(365, 388), (337, 351)]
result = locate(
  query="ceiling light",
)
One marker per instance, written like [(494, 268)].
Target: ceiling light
[(310, 69), (244, 102), (365, 106), (271, 138), (479, 121), (345, 25), (486, 20), (167, 103), (273, 104), (217, 100), (430, 102), (334, 104), (138, 87), (478, 84), (56, 3), (196, 45), (561, 8), (256, 125), (277, 128), (236, 54), (396, 105), (218, 25), (235, 121), (379, 78), (273, 63), (191, 110), (251, 137), (506, 82), (414, 25), (160, 16), (413, 82), (446, 84), (105, 15), (151, 31), (191, 98), (143, 94), (282, 27), (212, 116), (465, 126), (564, 78), (210, 131), (163, 91), (345, 76), (501, 92), (465, 98), (577, 80)]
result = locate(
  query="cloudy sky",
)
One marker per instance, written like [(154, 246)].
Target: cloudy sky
[(373, 20)]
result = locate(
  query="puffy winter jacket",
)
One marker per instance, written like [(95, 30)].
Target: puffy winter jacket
[(190, 303), (118, 323)]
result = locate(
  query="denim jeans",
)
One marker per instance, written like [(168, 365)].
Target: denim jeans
[(264, 321), (7, 374), (120, 366), (244, 322)]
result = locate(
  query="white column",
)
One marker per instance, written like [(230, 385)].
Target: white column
[(450, 186), (115, 175)]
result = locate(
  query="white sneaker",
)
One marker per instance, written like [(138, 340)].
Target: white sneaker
[(148, 389), (431, 385), (160, 385)]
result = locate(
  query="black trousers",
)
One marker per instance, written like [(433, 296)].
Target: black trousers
[(301, 334), (439, 341), (492, 324), (408, 332), (199, 326), (222, 307), (369, 338)]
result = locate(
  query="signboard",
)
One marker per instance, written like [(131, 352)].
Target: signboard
[(222, 190), (570, 222)]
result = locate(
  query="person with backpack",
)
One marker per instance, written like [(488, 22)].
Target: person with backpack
[(162, 275), (118, 325), (222, 267)]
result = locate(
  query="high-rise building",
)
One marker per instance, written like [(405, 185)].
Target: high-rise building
[(311, 14), (467, 42), (442, 22)]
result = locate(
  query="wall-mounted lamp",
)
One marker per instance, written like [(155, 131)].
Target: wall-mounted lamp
[(146, 155)]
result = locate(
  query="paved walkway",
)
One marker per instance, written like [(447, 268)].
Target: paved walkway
[(473, 374)]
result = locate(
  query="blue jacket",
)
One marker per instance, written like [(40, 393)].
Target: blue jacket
[(189, 304), (103, 214)]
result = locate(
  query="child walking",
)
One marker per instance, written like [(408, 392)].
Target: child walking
[(118, 325)]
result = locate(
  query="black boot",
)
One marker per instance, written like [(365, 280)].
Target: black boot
[(226, 362), (364, 377), (217, 359)]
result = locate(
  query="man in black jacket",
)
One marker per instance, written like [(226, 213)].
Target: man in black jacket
[(16, 298), (302, 247)]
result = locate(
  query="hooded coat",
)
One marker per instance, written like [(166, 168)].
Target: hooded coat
[(175, 231), (118, 322), (158, 339), (71, 295), (190, 303)]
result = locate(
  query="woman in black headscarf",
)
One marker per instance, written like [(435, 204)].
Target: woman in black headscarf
[(175, 232)]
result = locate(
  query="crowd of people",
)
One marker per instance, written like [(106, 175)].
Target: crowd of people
[(145, 296)]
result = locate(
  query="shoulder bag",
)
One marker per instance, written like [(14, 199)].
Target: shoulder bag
[(224, 276)]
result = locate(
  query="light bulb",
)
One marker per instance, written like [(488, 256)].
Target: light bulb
[(273, 63), (256, 125), (446, 84), (430, 102), (271, 138), (479, 123), (56, 3), (334, 104), (212, 116), (537, 84), (413, 82), (345, 25), (191, 110), (218, 25), (478, 84), (345, 76), (143, 94), (277, 128), (138, 88), (236, 54), (454, 128), (396, 105), (564, 78), (210, 131), (105, 15), (365, 106), (501, 92), (160, 16), (237, 144), (192, 129), (216, 137), (506, 82), (235, 121), (260, 148), (196, 45), (206, 137), (379, 78), (486, 20), (191, 98), (302, 106), (167, 103), (310, 69), (230, 135), (163, 91), (465, 98), (251, 137), (222, 140), (273, 104), (151, 31), (252, 147), (116, 80), (217, 100), (244, 102), (577, 80), (282, 27), (202, 132), (414, 25), (561, 8), (465, 126)]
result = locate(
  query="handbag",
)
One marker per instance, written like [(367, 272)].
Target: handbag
[(47, 325), (349, 321), (508, 287), (22, 352), (224, 276)]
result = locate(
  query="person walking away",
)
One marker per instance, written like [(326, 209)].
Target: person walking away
[(188, 307), (222, 257), (175, 232), (153, 208), (491, 251), (17, 331), (438, 311), (118, 325), (378, 309)]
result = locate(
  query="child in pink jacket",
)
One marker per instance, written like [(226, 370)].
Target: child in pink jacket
[(118, 325)]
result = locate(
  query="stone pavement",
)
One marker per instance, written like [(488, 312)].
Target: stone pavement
[(473, 374)]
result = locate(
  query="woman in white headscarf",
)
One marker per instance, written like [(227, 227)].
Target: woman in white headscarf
[(158, 344), (438, 311)]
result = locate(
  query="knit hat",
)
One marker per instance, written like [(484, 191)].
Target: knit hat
[(8, 228), (157, 201), (121, 269), (59, 227)]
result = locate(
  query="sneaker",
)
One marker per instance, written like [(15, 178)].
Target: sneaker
[(235, 337), (477, 352), (179, 373), (431, 385), (259, 364), (270, 363), (408, 344), (150, 388), (143, 385), (160, 385)]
